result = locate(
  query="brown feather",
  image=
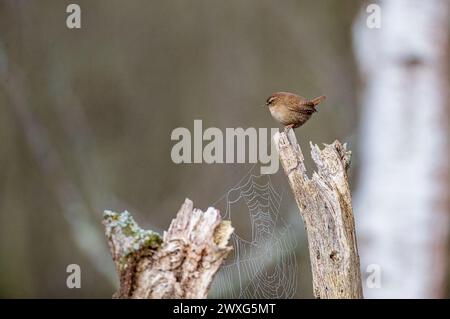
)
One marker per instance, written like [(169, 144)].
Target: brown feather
[(292, 109)]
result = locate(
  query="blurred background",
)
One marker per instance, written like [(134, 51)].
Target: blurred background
[(86, 117)]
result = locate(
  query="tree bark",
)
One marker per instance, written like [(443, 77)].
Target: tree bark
[(182, 264), (326, 208)]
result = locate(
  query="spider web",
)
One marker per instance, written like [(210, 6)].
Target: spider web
[(265, 266)]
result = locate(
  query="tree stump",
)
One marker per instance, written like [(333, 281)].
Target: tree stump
[(326, 208), (182, 264)]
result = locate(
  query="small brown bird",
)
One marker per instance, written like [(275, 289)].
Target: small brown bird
[(290, 109)]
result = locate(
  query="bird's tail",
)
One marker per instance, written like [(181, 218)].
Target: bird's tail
[(319, 99)]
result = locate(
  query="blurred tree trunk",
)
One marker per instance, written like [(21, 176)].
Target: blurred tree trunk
[(403, 190)]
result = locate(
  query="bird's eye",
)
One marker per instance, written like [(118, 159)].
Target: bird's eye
[(270, 100)]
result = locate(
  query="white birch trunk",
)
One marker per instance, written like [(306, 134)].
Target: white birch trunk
[(401, 201)]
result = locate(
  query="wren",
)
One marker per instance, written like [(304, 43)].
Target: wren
[(292, 110)]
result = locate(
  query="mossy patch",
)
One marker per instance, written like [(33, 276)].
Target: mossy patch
[(135, 238)]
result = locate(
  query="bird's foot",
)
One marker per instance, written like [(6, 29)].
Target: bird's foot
[(287, 127)]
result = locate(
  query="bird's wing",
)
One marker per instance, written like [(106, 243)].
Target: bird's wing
[(306, 107), (308, 111), (314, 101)]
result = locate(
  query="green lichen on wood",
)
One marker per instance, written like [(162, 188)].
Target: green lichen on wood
[(132, 237)]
